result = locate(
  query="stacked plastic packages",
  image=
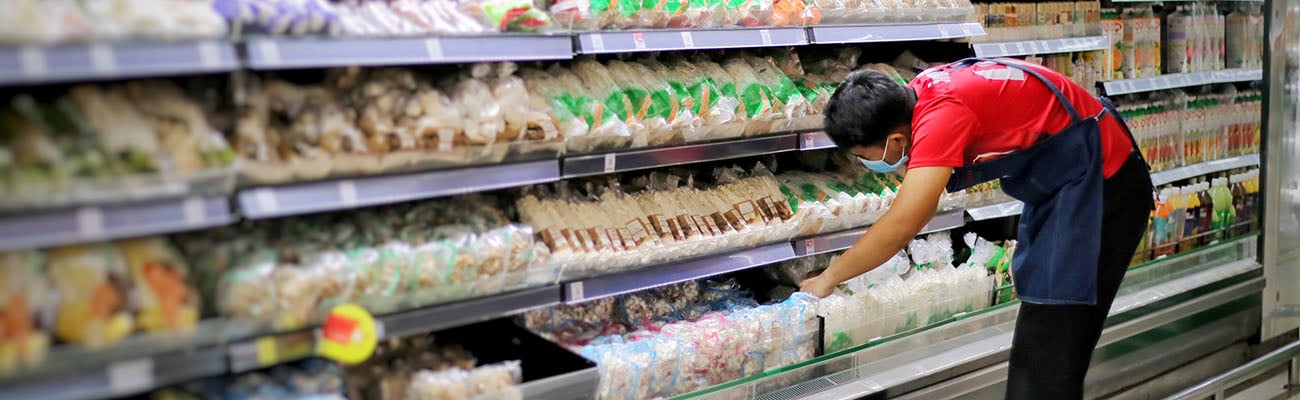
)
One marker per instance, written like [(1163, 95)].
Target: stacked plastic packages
[(585, 15), (27, 22), (685, 356), (97, 294), (900, 296), (852, 197), (107, 143), (367, 121), (289, 271), (369, 18), (661, 216), (417, 368)]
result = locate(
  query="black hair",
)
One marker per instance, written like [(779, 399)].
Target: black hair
[(866, 108)]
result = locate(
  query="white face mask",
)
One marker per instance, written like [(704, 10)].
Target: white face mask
[(880, 165)]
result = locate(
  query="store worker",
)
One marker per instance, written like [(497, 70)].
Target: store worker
[(1066, 155)]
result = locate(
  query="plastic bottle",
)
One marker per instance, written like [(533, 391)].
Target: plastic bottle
[(1252, 199), (1160, 225), (1176, 51), (1131, 53), (1206, 218), (1192, 223), (1224, 211), (1177, 216), (1238, 202), (1237, 30)]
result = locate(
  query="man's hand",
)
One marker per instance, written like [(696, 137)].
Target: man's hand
[(818, 286)]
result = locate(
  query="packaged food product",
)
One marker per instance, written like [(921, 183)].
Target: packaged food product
[(24, 290), (92, 281), (163, 297)]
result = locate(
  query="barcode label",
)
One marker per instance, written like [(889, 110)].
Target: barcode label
[(575, 291), (348, 192), (270, 52), (131, 376), (195, 211), (101, 59), (33, 61), (688, 41), (597, 42), (434, 47), (90, 222), (765, 36), (611, 162)]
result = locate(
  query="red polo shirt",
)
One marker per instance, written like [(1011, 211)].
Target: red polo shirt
[(987, 109)]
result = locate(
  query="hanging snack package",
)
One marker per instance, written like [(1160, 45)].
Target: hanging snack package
[(160, 277), (508, 15), (599, 81), (24, 290), (94, 303)]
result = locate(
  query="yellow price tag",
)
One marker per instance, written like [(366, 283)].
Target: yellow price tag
[(348, 336)]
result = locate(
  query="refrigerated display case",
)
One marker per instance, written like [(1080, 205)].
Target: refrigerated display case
[(1281, 248)]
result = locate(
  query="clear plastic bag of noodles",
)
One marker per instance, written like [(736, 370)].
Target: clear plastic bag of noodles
[(684, 116), (605, 129), (795, 13), (743, 196), (786, 97), (161, 279), (481, 113), (620, 227), (756, 98), (716, 112), (24, 290), (618, 373), (528, 129), (840, 11), (380, 99), (600, 83), (579, 15), (464, 274), (435, 120), (94, 307), (637, 102), (727, 88)]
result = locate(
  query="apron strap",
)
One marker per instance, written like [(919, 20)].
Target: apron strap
[(1060, 96)]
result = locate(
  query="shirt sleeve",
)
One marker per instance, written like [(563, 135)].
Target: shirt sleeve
[(942, 128)]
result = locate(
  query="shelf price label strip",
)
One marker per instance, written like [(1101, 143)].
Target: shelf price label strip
[(284, 53), (832, 34), (702, 267), (837, 241), (667, 40), (92, 223), (79, 62), (1174, 81), (1045, 46), (654, 158), (269, 202)]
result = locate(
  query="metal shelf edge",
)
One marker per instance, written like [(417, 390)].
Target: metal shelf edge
[(98, 223), (595, 164), (1040, 46), (465, 312), (674, 272), (1174, 81), (1208, 167), (844, 34), (607, 42), (121, 378), (305, 198), (100, 61), (269, 53)]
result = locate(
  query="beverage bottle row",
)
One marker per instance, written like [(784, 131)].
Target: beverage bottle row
[(1201, 213)]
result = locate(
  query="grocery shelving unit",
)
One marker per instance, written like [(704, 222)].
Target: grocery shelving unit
[(904, 365)]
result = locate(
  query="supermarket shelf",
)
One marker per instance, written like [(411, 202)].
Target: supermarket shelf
[(948, 355), (996, 210), (668, 156), (266, 53), (121, 378), (1045, 46), (815, 141), (843, 239), (650, 277), (97, 223), (81, 62), (305, 198), (668, 40), (1208, 167), (271, 350), (1174, 81), (840, 34), (436, 318)]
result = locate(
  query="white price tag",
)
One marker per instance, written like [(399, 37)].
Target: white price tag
[(90, 222), (943, 31), (810, 246), (101, 59), (965, 30), (348, 192), (597, 42), (638, 40), (688, 40), (270, 52), (809, 141), (610, 162), (765, 36), (131, 376), (575, 291), (1020, 47), (1002, 49), (265, 199), (195, 210), (434, 47), (209, 55), (33, 61)]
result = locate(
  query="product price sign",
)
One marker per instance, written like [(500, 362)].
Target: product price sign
[(349, 335)]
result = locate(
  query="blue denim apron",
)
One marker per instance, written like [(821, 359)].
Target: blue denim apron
[(1059, 178)]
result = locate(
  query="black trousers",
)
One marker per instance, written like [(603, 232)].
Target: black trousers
[(1053, 344)]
